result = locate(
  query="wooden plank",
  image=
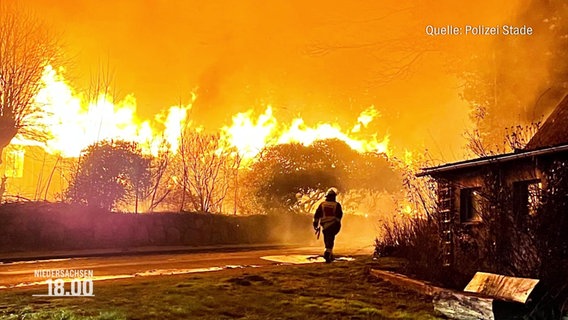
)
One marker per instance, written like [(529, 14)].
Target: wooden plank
[(502, 287), (404, 281), (453, 304)]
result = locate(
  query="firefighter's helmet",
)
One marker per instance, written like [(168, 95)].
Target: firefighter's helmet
[(331, 192)]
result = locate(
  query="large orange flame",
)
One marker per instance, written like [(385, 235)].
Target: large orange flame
[(75, 123), (250, 135)]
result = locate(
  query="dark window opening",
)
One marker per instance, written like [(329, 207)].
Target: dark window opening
[(527, 197), (470, 204)]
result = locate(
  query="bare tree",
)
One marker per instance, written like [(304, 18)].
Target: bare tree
[(237, 167), (208, 167), (26, 48), (161, 176), (516, 138)]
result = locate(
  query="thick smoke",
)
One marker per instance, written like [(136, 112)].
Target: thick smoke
[(326, 61), (519, 80)]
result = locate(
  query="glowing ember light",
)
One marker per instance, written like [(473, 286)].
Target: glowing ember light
[(407, 209), (14, 163), (408, 158)]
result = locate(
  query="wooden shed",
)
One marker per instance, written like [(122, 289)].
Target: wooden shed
[(472, 193)]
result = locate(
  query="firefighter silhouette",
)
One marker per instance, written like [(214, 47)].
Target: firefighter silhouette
[(328, 219)]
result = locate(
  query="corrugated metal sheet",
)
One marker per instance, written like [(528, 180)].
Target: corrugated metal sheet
[(502, 287)]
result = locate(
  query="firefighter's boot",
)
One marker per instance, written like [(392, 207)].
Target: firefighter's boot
[(328, 256)]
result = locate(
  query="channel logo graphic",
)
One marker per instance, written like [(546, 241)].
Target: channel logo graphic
[(67, 283)]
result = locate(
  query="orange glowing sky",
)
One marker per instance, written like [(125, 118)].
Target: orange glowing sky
[(248, 54)]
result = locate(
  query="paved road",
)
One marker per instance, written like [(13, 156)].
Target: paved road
[(22, 273)]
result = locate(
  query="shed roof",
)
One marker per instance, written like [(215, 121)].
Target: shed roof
[(491, 160), (552, 137), (554, 131)]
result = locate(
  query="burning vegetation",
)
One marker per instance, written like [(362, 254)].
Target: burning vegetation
[(382, 93), (174, 159), (92, 148)]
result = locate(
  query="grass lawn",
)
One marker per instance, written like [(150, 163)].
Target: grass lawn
[(341, 290)]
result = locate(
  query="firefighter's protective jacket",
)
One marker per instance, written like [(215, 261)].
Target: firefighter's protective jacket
[(328, 213)]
